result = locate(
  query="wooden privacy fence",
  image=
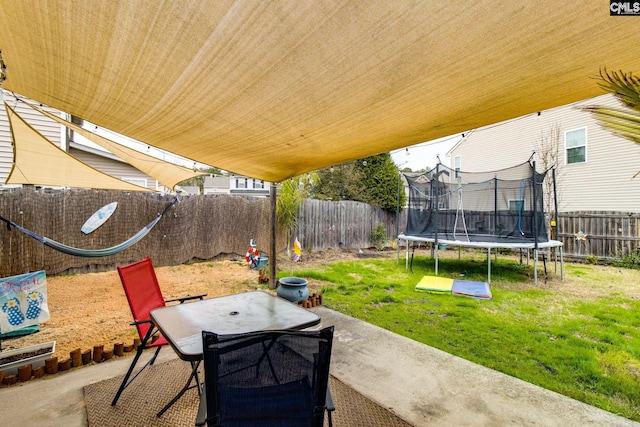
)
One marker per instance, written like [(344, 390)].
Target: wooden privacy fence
[(197, 227), (609, 234), (210, 226), (342, 224)]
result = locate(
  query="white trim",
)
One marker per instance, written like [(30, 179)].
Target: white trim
[(142, 182), (566, 160)]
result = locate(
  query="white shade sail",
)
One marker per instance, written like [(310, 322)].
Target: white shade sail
[(273, 89), (35, 157), (167, 173)]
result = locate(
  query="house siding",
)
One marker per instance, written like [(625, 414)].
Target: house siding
[(216, 185), (50, 129), (115, 168), (602, 183)]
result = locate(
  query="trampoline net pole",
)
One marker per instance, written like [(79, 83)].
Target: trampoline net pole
[(489, 266), (535, 266), (561, 263)]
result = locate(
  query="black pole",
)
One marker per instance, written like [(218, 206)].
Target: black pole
[(437, 199), (555, 199), (273, 244), (535, 203), (398, 206), (398, 219), (495, 205)]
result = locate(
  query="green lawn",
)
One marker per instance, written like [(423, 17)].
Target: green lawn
[(580, 337)]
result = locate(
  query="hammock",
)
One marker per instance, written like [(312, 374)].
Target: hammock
[(91, 253)]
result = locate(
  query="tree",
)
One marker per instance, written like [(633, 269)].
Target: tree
[(372, 180), (380, 177), (341, 182), (290, 197), (199, 180), (548, 152), (624, 121)]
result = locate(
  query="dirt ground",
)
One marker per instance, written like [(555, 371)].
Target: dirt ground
[(91, 309)]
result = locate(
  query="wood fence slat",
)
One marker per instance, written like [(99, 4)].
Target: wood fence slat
[(609, 234)]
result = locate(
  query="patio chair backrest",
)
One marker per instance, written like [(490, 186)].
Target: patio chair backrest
[(268, 378), (143, 291)]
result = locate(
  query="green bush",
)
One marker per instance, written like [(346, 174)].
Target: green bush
[(632, 260), (592, 259), (378, 236)]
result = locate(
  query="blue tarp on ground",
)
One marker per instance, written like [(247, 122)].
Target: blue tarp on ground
[(467, 288)]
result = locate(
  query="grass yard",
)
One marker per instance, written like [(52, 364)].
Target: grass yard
[(580, 337)]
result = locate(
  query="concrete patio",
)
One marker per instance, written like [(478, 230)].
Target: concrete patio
[(420, 384)]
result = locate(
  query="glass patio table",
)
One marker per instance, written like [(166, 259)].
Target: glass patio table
[(182, 324)]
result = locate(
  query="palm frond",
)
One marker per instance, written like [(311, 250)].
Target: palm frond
[(625, 123), (622, 122), (625, 87)]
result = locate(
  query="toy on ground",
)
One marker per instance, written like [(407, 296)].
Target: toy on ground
[(253, 255), (297, 250)]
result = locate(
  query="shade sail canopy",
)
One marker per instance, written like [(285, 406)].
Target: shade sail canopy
[(167, 173), (274, 89), (35, 157)]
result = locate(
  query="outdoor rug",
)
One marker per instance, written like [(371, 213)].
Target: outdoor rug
[(140, 402)]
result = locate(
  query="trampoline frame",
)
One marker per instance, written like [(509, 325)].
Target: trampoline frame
[(488, 246)]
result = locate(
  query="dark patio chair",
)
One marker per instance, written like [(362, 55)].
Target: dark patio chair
[(143, 293), (266, 379)]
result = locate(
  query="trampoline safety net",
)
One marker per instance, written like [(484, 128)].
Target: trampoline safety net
[(503, 206)]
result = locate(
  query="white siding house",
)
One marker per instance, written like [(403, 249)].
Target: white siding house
[(245, 186), (236, 185), (594, 167), (50, 129), (114, 166), (216, 185)]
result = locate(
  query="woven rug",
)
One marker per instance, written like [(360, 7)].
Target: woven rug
[(140, 402)]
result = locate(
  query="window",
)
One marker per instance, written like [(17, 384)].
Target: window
[(137, 181), (516, 205), (457, 160), (575, 142), (258, 184), (241, 183)]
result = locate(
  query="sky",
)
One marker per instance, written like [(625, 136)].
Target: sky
[(424, 155)]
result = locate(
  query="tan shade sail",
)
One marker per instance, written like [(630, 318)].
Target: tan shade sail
[(272, 89), (167, 173), (38, 161)]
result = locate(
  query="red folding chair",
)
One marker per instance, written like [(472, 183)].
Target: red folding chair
[(143, 293)]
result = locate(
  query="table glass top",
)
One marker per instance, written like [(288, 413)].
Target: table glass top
[(182, 324)]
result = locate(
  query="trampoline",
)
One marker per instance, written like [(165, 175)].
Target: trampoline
[(488, 210)]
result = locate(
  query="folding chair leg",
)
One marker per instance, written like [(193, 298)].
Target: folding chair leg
[(201, 418), (187, 386), (126, 381), (153, 359), (126, 377), (330, 406)]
